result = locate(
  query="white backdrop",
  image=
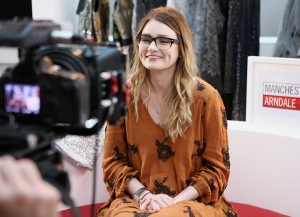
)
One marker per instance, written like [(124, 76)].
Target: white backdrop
[(60, 11)]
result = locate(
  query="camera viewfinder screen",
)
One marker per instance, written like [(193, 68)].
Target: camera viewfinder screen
[(22, 98)]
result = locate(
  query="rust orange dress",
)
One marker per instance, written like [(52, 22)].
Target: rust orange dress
[(141, 149)]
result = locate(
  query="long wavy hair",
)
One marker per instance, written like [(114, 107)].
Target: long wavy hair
[(179, 98)]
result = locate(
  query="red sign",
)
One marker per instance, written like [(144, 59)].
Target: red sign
[(281, 102)]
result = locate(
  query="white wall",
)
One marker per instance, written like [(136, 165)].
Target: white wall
[(81, 181), (264, 167), (60, 11), (271, 14)]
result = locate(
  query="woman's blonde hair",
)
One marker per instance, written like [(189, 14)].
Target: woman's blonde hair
[(178, 116)]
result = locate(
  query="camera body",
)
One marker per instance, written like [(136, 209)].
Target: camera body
[(61, 85), (61, 82)]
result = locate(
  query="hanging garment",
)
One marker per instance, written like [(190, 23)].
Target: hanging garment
[(231, 9), (123, 19), (144, 6), (101, 20), (237, 39), (115, 31), (85, 13), (232, 29), (134, 24), (194, 11), (210, 64), (288, 41), (248, 45), (93, 19)]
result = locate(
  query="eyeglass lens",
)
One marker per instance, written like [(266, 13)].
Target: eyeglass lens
[(161, 43)]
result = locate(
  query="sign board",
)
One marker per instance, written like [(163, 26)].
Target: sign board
[(273, 91)]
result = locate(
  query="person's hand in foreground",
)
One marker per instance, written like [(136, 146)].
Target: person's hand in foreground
[(23, 192)]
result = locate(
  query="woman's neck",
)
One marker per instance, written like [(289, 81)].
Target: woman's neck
[(160, 83)]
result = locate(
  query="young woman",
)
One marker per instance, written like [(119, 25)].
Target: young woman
[(169, 157)]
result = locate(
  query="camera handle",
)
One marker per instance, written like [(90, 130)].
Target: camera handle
[(49, 162), (60, 180), (15, 140)]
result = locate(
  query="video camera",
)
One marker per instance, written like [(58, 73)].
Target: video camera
[(61, 85)]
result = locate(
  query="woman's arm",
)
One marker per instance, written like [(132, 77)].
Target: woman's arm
[(133, 186), (190, 193), (117, 171), (211, 179)]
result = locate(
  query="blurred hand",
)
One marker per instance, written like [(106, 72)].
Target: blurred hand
[(23, 192), (153, 202)]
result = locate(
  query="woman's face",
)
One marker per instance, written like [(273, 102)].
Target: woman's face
[(18, 94), (154, 59)]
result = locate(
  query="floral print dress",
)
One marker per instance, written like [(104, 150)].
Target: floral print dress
[(142, 150)]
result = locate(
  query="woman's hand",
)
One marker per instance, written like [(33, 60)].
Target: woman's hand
[(153, 202), (23, 191)]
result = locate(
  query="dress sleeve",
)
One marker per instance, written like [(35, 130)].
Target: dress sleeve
[(212, 178), (116, 169)]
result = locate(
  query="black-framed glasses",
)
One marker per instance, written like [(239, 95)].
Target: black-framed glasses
[(162, 43)]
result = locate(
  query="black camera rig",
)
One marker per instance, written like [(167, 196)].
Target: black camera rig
[(61, 85)]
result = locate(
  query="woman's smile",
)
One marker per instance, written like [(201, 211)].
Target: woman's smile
[(153, 57)]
